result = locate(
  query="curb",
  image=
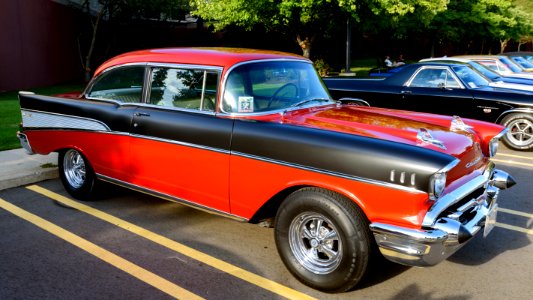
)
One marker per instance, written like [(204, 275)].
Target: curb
[(17, 168), (24, 179)]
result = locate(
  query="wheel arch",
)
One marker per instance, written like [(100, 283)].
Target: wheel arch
[(269, 209), (513, 111)]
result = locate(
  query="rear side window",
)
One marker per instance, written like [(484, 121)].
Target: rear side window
[(183, 88), (121, 84)]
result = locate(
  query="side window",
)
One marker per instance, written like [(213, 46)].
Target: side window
[(184, 88), (121, 84), (431, 78), (451, 82)]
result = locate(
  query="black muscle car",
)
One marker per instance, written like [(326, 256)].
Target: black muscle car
[(446, 88)]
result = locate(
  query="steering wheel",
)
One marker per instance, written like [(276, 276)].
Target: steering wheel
[(281, 88)]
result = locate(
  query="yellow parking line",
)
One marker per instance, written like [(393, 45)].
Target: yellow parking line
[(173, 245), (515, 228), (512, 162), (515, 212), (109, 257), (514, 155)]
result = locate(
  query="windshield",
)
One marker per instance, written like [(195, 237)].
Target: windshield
[(485, 71), (274, 85), (470, 77), (523, 62), (511, 65)]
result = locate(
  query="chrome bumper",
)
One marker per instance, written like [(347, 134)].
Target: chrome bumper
[(25, 143), (449, 224)]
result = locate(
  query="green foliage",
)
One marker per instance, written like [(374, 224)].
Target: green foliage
[(307, 18), (322, 67)]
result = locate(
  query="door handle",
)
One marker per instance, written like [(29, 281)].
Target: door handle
[(406, 92), (141, 114)]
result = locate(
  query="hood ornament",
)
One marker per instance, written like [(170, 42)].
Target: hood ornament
[(459, 125), (424, 136)]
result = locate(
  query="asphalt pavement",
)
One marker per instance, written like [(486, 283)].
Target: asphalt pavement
[(18, 168)]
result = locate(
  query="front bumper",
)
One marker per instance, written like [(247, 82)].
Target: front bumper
[(450, 223)]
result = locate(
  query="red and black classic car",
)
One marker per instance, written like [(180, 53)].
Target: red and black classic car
[(254, 135), (450, 88)]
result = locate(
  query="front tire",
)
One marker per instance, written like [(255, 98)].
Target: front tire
[(323, 239), (520, 134), (76, 174)]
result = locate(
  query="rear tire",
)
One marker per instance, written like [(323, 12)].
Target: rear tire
[(77, 175), (323, 239), (520, 134)]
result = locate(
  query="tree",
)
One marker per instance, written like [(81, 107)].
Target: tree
[(119, 10), (467, 20), (305, 19)]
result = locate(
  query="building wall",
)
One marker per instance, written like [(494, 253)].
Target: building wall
[(38, 44)]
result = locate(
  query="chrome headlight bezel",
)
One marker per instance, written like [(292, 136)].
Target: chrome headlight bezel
[(493, 147), (437, 184), (495, 142)]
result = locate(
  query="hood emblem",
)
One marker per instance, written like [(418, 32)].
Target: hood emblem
[(424, 136), (459, 125)]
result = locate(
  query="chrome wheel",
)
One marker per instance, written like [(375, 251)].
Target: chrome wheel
[(520, 132), (315, 243), (74, 169)]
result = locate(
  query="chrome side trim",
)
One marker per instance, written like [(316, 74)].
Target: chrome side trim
[(40, 119), (326, 172), (180, 143), (169, 197)]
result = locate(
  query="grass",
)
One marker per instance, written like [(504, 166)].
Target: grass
[(363, 66), (10, 117)]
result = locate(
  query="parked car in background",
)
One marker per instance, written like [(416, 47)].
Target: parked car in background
[(446, 88), (496, 80), (254, 135), (525, 59), (501, 64)]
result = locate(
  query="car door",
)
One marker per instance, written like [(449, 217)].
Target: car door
[(436, 89), (179, 147), (113, 96)]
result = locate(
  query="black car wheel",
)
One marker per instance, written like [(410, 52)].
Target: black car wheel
[(323, 239), (76, 174), (520, 134)]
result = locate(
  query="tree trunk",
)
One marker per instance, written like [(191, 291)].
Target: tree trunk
[(91, 47), (503, 45), (305, 44)]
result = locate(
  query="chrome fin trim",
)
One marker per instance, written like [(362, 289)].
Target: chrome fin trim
[(40, 119)]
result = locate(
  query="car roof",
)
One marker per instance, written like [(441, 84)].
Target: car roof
[(446, 59), (517, 53), (486, 57), (440, 63), (220, 57)]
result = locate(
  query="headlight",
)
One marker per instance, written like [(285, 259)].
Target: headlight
[(493, 146), (437, 183)]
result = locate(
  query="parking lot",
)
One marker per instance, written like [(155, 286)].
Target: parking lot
[(134, 246)]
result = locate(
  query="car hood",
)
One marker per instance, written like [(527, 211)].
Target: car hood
[(515, 86), (386, 124)]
